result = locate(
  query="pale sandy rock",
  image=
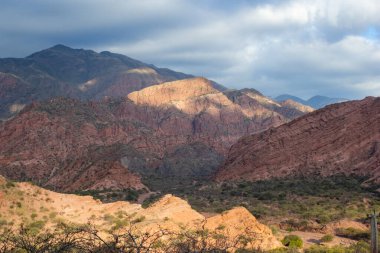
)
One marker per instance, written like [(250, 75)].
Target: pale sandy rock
[(240, 221), (176, 93), (169, 212), (173, 208)]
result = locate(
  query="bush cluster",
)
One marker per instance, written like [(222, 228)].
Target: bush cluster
[(292, 241)]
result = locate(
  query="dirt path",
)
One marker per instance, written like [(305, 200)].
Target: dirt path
[(311, 238)]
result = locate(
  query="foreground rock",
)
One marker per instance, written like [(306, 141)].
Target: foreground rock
[(339, 139), (240, 221), (28, 204)]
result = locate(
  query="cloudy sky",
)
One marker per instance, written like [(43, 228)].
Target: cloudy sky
[(301, 47)]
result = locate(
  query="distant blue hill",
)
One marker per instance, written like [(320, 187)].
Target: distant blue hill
[(316, 102)]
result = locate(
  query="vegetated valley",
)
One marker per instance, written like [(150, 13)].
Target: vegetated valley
[(316, 200)]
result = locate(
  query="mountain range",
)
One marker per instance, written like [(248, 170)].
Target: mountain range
[(92, 120), (181, 128), (61, 71), (106, 125), (315, 102)]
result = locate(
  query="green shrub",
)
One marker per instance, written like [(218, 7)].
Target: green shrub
[(151, 200), (139, 219), (10, 184), (36, 226), (353, 233), (3, 222), (324, 249), (131, 195), (292, 241), (323, 219), (120, 223), (359, 247), (327, 238), (109, 217), (52, 215), (120, 214), (275, 230)]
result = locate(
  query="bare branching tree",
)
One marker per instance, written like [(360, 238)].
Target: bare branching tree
[(69, 239), (63, 238), (204, 240)]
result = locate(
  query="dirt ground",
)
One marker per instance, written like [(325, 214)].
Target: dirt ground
[(310, 238)]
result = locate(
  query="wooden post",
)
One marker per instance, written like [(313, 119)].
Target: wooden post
[(374, 244)]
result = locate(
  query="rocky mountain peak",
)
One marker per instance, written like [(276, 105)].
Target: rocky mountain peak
[(171, 92)]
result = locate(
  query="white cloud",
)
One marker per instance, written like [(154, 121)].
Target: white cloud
[(302, 47), (372, 87)]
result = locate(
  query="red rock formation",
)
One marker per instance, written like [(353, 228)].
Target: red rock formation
[(341, 138), (68, 145)]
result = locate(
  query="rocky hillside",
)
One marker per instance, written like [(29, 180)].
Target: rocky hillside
[(181, 129), (75, 73), (338, 139), (13, 93), (39, 209), (251, 98)]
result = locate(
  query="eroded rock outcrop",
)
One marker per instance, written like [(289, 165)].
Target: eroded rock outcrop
[(170, 213), (240, 221)]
